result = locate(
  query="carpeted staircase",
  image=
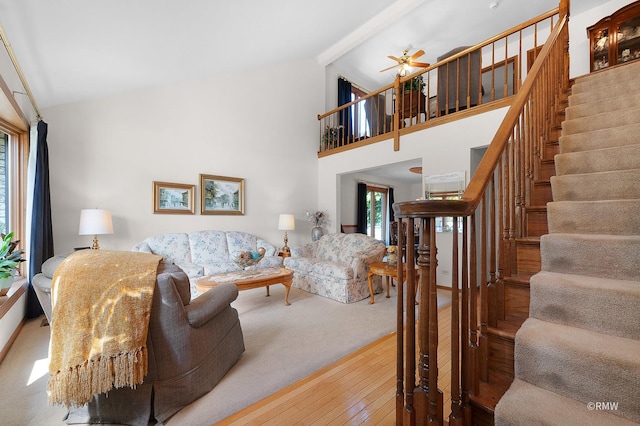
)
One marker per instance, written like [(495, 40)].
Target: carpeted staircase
[(577, 356)]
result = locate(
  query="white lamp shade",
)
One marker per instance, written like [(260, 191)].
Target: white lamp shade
[(95, 222), (287, 222)]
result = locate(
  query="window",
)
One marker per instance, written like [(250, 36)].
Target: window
[(13, 169), (377, 221), (358, 114), (4, 196)]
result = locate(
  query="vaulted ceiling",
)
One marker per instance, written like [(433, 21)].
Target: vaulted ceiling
[(73, 50)]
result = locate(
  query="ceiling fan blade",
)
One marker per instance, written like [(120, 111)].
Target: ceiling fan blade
[(416, 55), (419, 64), (394, 58), (391, 67)]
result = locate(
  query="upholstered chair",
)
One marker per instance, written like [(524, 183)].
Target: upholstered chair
[(191, 345)]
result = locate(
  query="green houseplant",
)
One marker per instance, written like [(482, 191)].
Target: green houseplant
[(416, 83), (10, 258)]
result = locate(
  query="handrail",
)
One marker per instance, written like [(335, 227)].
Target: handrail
[(492, 212), (472, 195)]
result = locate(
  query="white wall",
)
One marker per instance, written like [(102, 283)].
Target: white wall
[(260, 126), (445, 148), (349, 189), (579, 40)]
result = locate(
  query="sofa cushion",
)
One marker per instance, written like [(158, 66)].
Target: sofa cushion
[(208, 247), (329, 247), (320, 267), (240, 241), (172, 247)]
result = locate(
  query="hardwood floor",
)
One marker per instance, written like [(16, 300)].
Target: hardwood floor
[(358, 389)]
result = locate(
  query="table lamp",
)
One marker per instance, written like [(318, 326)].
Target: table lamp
[(286, 223), (95, 222)]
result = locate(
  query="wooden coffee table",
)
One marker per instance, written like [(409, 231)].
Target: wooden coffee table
[(385, 270), (252, 278)]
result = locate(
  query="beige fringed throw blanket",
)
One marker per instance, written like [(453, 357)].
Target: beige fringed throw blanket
[(101, 305)]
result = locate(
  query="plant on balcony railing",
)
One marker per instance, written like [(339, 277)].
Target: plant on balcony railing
[(416, 83), (331, 135)]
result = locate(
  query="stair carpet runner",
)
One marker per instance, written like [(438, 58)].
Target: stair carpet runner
[(577, 356)]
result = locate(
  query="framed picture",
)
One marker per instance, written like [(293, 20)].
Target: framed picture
[(173, 198), (221, 195)]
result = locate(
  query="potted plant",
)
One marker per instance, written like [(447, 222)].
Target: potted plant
[(330, 136), (416, 83), (10, 258)]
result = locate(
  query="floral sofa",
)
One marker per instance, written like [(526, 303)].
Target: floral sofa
[(336, 266), (204, 253)]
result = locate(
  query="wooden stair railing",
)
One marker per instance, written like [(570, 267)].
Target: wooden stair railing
[(394, 110), (492, 213)]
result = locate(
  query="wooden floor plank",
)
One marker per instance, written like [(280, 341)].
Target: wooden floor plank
[(357, 389)]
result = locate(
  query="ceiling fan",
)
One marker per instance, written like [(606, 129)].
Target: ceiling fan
[(407, 61)]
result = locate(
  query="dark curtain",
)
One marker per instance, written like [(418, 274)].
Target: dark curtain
[(392, 216), (41, 244), (344, 97), (361, 219)]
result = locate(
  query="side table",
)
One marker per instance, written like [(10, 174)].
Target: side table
[(384, 270)]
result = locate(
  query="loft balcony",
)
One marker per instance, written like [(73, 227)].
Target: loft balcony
[(465, 81)]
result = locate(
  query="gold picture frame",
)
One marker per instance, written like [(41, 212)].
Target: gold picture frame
[(173, 198), (221, 195)]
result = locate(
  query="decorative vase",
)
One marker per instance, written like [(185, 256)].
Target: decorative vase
[(316, 233), (5, 285)]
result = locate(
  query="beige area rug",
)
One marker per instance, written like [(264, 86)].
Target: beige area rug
[(283, 344)]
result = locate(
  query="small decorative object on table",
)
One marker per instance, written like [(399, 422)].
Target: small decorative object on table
[(392, 257), (246, 259), (317, 219), (9, 261)]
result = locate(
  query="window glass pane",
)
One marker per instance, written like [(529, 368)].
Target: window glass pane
[(4, 142)]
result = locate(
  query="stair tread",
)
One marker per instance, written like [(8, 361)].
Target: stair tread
[(546, 407)]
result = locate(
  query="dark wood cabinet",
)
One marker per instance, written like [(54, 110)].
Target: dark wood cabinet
[(615, 39)]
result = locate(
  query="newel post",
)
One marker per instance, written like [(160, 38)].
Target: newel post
[(564, 8)]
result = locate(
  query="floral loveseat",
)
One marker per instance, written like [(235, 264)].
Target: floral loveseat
[(204, 253), (336, 266)]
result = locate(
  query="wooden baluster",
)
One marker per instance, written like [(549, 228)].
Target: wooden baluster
[(400, 329), (473, 305), (410, 357), (456, 418), (466, 365), (483, 342), (435, 394), (494, 288)]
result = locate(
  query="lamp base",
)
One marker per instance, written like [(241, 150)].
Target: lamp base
[(95, 245)]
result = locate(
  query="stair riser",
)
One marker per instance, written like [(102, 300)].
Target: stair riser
[(516, 300), (556, 358), (604, 120), (528, 257), (590, 109), (600, 160), (596, 82), (501, 352), (578, 96), (544, 170), (594, 302), (597, 139), (617, 185), (613, 217), (537, 223), (592, 255), (541, 193)]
